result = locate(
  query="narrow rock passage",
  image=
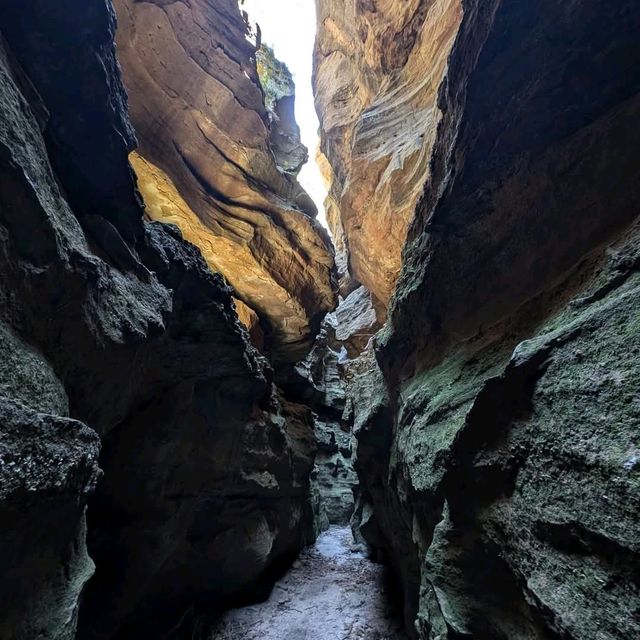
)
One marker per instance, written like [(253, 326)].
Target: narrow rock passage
[(331, 593)]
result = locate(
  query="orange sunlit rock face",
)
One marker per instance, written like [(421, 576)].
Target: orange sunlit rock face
[(378, 70), (251, 321), (204, 162)]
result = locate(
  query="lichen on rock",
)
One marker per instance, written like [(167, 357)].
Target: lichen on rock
[(495, 438), (279, 97)]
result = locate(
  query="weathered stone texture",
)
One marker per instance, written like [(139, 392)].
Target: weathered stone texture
[(319, 382), (279, 98), (48, 467), (496, 444), (114, 329), (206, 163), (357, 319), (506, 493), (378, 67)]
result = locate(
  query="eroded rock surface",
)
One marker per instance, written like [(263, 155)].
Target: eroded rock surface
[(279, 98), (378, 67), (357, 319), (497, 426), (48, 467), (113, 329), (516, 461), (319, 382), (494, 419), (205, 161)]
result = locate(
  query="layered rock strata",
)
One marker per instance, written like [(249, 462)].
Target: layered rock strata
[(113, 329), (378, 67), (208, 156), (319, 382), (496, 426), (322, 382), (357, 319)]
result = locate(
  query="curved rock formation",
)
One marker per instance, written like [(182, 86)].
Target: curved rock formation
[(206, 162), (378, 67), (489, 430), (497, 450), (113, 329)]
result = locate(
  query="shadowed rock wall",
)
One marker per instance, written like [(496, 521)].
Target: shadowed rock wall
[(496, 420), (496, 426), (115, 335)]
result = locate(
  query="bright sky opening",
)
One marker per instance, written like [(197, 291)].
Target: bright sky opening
[(289, 28)]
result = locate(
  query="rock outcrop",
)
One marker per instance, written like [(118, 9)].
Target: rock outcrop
[(496, 426), (280, 99), (48, 467), (205, 161), (502, 483), (319, 383), (357, 319), (114, 329), (378, 67)]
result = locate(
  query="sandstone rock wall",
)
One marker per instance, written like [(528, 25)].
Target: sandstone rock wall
[(113, 329), (495, 422), (205, 162), (319, 382), (496, 428), (378, 67), (323, 382)]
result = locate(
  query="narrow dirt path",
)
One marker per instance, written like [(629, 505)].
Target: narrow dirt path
[(331, 593)]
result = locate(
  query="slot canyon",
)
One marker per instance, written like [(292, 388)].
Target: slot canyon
[(222, 418)]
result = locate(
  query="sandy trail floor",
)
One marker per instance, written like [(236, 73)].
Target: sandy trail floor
[(331, 593)]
